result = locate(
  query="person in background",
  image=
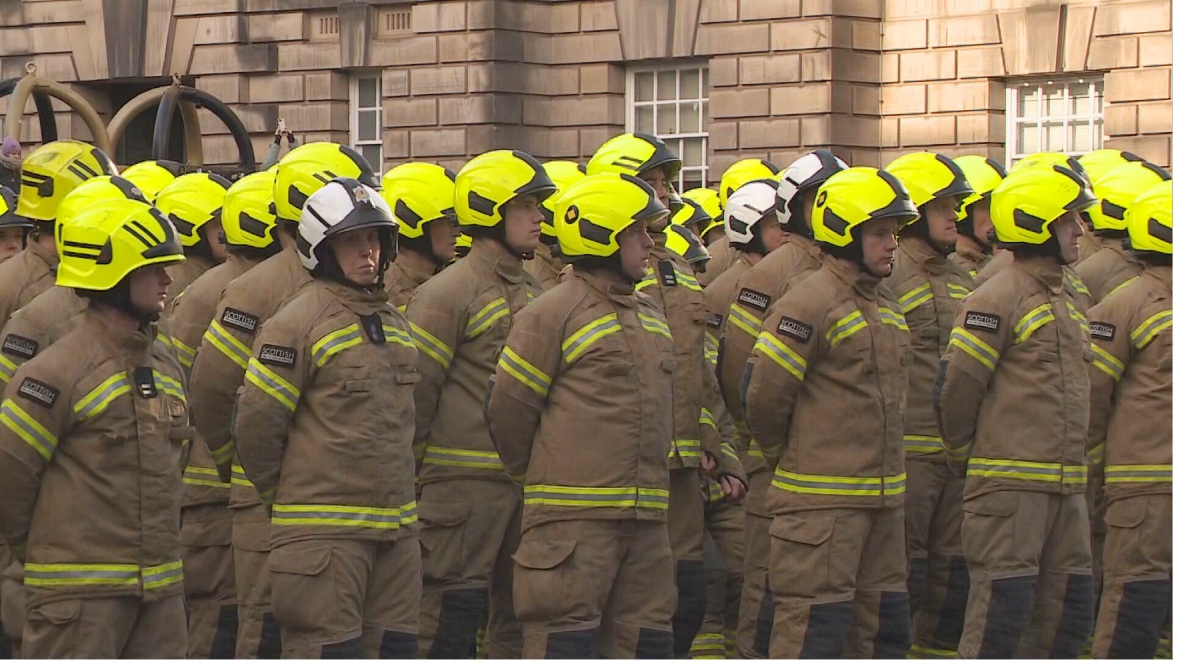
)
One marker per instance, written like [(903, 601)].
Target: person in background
[(10, 162), (272, 155), (13, 228)]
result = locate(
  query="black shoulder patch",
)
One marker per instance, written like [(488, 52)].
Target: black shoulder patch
[(1102, 330), (38, 392), (795, 329), (754, 299), (714, 321), (243, 321), (20, 347), (982, 321), (276, 355), (667, 273)]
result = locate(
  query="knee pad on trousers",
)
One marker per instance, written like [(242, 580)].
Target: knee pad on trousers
[(765, 624), (353, 648), (1007, 616), (915, 582), (827, 630), (893, 626), (1142, 613), (690, 605), (654, 644), (1077, 617), (571, 644), (949, 628), (226, 637), (398, 645), (271, 645), (459, 619)]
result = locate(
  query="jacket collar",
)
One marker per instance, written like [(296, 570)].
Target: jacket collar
[(623, 294), (495, 257), (50, 258), (920, 252), (122, 343), (859, 281), (417, 277), (360, 301), (971, 254), (1045, 269), (1161, 274), (807, 244)]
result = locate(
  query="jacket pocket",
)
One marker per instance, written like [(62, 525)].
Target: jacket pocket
[(442, 540), (359, 385), (803, 529), (544, 582), (303, 590), (57, 613), (206, 533)]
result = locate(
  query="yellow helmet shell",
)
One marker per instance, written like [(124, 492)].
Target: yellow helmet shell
[(152, 176), (105, 243), (563, 173), (493, 179), (590, 214), (191, 201), (1149, 220), (1098, 163), (1031, 198), (709, 199), (52, 171), (854, 196), (741, 172), (983, 175), (92, 193), (685, 243), (418, 193), (247, 214), (1118, 188), (307, 168), (929, 176), (692, 216), (632, 154)]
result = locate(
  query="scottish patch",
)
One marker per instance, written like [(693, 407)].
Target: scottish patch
[(20, 347), (754, 299), (982, 321), (243, 321), (795, 329), (714, 321), (276, 355), (1102, 330), (39, 392)]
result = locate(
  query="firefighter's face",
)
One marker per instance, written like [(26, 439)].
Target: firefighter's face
[(12, 240), (879, 243), (658, 180), (1068, 229), (149, 289), (773, 234), (358, 253), (442, 234), (522, 223), (981, 219), (634, 246), (941, 214), (217, 246)]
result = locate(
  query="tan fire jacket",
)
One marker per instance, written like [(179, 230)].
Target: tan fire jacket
[(581, 407), (545, 267), (92, 435), (1013, 392), (718, 296), (1087, 245), (1108, 269), (1073, 284), (826, 393), (220, 365), (191, 313), (1131, 386), (401, 281), (459, 321), (971, 261), (31, 329), (23, 277), (325, 420), (185, 274), (722, 256), (929, 290)]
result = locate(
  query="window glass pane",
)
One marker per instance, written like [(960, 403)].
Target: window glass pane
[(1054, 102), (690, 83), (1080, 105), (1027, 103), (368, 92), (1080, 138), (1054, 137), (368, 125), (666, 119), (692, 178), (644, 86), (705, 80), (690, 117), (694, 152), (1026, 139), (645, 120), (372, 153), (666, 86)]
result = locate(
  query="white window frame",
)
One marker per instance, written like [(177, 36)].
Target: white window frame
[(675, 140), (354, 109), (1014, 121)]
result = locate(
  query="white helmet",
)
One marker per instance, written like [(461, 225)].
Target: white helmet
[(745, 207), (341, 205), (807, 172)]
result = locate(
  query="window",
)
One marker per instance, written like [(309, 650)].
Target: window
[(1063, 115), (672, 102), (365, 113)]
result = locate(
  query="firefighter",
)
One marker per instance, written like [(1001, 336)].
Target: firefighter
[(700, 216), (974, 244), (929, 289), (422, 198), (592, 359), (93, 433), (48, 174), (206, 523), (462, 246), (220, 366), (712, 232), (837, 540), (1113, 265), (325, 429), (1020, 346), (13, 228), (798, 256), (152, 176), (741, 172), (687, 246), (670, 281), (546, 264), (469, 506), (1097, 163), (193, 203), (1130, 433)]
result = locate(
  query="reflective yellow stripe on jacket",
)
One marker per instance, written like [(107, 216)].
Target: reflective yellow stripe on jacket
[(910, 300), (93, 403), (7, 367), (481, 321), (238, 477), (782, 355), (89, 575), (26, 427), (580, 341), (1032, 322), (184, 353), (1149, 329), (851, 486), (923, 444), (1107, 363), (524, 372), (974, 347), (592, 497), (846, 327), (1024, 470), (227, 344), (469, 458), (203, 476), (432, 346), (271, 384), (744, 321), (335, 342), (334, 515), (1138, 473)]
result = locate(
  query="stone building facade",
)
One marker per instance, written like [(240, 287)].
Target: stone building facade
[(725, 79)]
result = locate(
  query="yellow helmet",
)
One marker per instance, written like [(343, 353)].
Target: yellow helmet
[(1118, 188), (1052, 158), (308, 167), (92, 193), (247, 214), (1032, 197), (493, 179), (685, 243), (418, 193), (592, 212), (692, 216), (854, 196), (983, 175), (741, 172), (102, 245), (632, 154), (462, 245), (1098, 162), (8, 216), (928, 176), (709, 199), (191, 201), (152, 176), (1149, 220), (52, 171), (563, 173)]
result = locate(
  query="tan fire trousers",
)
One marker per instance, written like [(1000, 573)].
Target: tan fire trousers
[(686, 531), (110, 628), (938, 578), (725, 525), (258, 632), (756, 614), (210, 599)]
